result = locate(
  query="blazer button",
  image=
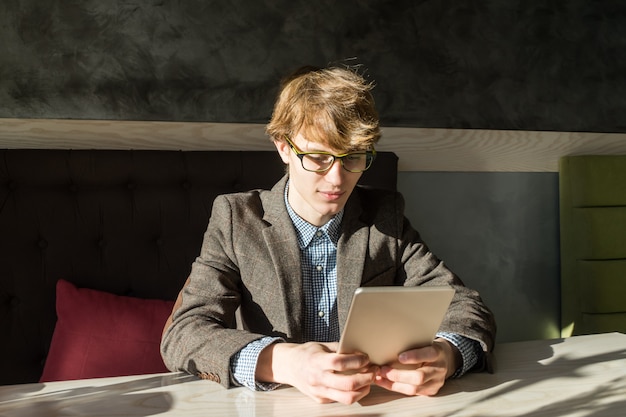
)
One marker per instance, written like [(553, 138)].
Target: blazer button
[(209, 376)]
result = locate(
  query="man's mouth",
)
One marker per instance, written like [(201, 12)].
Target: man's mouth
[(332, 195)]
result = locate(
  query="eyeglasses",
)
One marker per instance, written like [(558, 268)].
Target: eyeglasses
[(323, 161)]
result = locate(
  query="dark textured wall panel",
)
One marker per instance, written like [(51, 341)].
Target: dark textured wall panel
[(500, 64)]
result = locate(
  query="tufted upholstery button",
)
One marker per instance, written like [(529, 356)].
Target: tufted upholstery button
[(158, 241), (186, 185), (131, 185), (13, 302), (209, 376), (12, 185), (43, 243), (73, 188), (102, 243)]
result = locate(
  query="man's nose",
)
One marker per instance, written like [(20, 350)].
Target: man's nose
[(336, 172)]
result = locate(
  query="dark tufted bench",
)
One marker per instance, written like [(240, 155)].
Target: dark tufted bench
[(126, 222)]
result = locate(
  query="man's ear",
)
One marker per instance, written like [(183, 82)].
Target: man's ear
[(283, 150)]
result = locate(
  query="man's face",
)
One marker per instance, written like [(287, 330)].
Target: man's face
[(316, 196)]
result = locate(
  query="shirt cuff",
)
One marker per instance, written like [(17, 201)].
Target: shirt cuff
[(243, 365), (470, 351)]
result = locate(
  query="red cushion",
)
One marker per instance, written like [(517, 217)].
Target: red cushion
[(99, 334)]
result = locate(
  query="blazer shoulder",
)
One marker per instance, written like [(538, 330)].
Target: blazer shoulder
[(377, 193), (252, 204), (246, 202), (379, 202)]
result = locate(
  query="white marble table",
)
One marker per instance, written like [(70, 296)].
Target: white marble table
[(578, 376)]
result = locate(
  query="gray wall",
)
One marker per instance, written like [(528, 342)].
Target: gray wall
[(499, 232), (500, 64)]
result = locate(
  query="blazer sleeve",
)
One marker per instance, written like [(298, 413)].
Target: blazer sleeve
[(467, 315), (202, 335), (413, 264)]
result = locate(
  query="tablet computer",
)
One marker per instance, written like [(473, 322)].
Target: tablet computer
[(386, 321)]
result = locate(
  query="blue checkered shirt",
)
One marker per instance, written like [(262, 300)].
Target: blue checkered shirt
[(318, 255)]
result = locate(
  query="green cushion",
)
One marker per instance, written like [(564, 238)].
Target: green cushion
[(603, 323), (603, 286), (600, 232), (592, 192), (598, 180)]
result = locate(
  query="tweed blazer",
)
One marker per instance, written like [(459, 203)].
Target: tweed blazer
[(249, 264)]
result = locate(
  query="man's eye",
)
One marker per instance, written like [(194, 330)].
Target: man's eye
[(319, 158), (353, 157)]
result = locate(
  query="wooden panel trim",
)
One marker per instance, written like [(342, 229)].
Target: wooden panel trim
[(419, 149)]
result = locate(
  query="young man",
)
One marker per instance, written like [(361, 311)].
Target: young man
[(290, 259)]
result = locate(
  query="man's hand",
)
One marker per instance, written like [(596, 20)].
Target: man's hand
[(422, 371), (318, 371)]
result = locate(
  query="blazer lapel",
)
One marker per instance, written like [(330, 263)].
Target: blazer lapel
[(351, 252), (282, 244)]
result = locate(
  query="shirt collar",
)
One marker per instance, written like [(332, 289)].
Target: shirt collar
[(306, 231)]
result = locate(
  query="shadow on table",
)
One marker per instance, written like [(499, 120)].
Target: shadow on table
[(118, 399), (530, 370), (522, 372)]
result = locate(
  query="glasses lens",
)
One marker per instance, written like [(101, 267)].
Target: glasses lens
[(317, 162), (356, 162)]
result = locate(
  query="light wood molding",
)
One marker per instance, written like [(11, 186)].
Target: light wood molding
[(419, 149)]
